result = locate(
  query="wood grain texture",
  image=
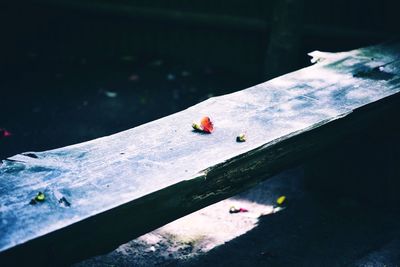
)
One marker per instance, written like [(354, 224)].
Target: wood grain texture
[(127, 184)]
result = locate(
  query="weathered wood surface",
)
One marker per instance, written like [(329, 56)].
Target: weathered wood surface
[(124, 185)]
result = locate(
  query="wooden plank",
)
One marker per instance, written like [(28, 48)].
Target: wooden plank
[(127, 184)]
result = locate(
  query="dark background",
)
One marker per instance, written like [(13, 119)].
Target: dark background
[(71, 71)]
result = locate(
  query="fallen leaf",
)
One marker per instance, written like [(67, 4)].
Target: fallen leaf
[(207, 125)]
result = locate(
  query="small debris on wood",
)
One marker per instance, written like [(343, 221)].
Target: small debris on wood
[(197, 127), (241, 138), (280, 200), (205, 126), (233, 209), (40, 197), (64, 202)]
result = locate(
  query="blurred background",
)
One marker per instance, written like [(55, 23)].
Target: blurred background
[(71, 71)]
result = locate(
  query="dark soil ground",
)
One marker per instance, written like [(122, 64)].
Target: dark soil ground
[(310, 231)]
